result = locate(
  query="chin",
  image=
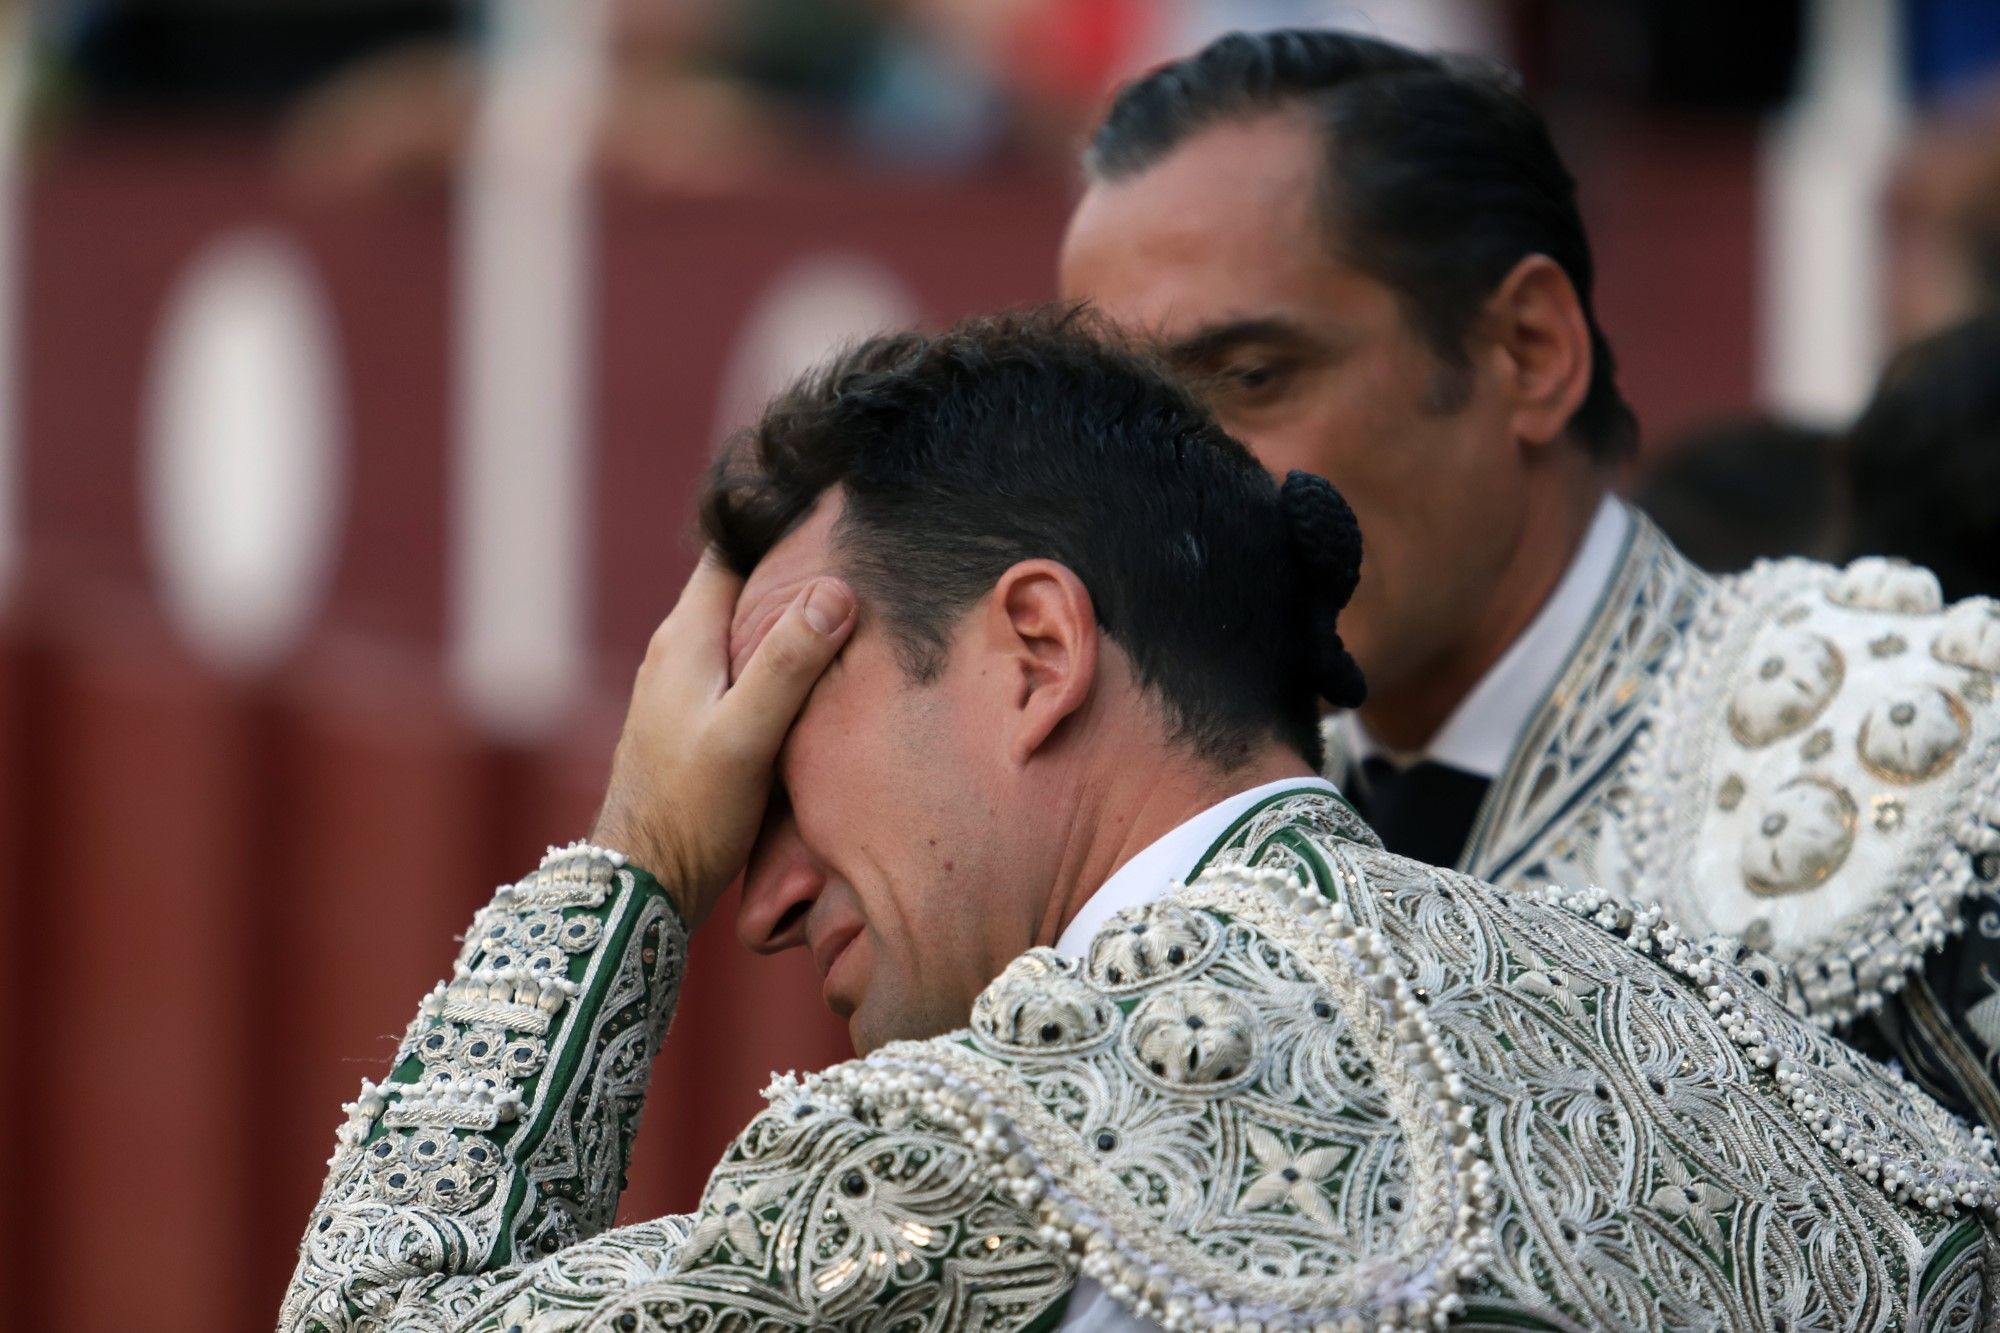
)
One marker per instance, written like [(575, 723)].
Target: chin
[(906, 1024), (867, 1037)]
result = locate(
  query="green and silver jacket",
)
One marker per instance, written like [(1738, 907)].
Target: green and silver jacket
[(1319, 1087)]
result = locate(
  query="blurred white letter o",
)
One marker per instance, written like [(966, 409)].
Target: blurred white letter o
[(801, 315), (244, 443)]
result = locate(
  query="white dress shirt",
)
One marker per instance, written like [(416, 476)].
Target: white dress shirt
[(1480, 734), (1149, 874)]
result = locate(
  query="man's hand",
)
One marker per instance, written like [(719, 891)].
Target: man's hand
[(694, 764)]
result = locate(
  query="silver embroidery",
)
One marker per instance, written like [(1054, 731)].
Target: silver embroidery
[(1368, 1095), (1855, 869), (1562, 785), (1655, 766)]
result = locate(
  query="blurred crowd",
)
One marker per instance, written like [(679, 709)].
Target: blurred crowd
[(699, 93), (1917, 473), (366, 96), (371, 93)]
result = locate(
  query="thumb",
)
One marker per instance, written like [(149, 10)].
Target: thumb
[(761, 706)]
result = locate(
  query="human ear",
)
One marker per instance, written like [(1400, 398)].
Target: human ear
[(1537, 324), (1041, 625)]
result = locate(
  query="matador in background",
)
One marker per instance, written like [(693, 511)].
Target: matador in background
[(1371, 263), (1001, 693)]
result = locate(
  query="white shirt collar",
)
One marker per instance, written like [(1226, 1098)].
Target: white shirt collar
[(1480, 734), (1155, 868)]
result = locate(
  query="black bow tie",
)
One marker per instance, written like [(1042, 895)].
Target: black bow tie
[(1424, 811)]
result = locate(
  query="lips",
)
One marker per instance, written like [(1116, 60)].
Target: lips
[(827, 949)]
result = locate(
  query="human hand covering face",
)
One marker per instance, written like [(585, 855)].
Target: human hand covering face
[(694, 764)]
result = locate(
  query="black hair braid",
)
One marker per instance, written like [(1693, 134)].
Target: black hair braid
[(1326, 546)]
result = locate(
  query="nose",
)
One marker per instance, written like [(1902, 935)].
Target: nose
[(779, 888)]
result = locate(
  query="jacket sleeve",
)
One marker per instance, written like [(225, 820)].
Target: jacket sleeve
[(474, 1187)]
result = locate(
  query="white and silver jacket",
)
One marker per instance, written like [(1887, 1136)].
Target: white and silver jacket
[(1805, 757), (1320, 1087)]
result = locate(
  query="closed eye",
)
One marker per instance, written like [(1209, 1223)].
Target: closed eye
[(1247, 383), (1244, 363), (1252, 377)]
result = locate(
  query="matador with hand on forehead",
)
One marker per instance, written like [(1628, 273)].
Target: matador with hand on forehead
[(1001, 691)]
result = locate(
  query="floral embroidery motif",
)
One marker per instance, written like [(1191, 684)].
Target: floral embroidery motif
[(732, 1214), (1970, 637), (1913, 736), (1290, 1177), (1793, 683), (1194, 1036), (1137, 948), (1803, 832), (1692, 1202), (1039, 1005), (1886, 584)]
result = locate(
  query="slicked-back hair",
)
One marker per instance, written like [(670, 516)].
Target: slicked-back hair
[(1029, 435), (1438, 177)]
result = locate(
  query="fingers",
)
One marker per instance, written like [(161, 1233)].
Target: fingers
[(760, 707), (707, 601)]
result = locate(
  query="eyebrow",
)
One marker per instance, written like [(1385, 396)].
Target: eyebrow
[(1208, 343)]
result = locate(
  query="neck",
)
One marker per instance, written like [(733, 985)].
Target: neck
[(1407, 714), (1119, 814)]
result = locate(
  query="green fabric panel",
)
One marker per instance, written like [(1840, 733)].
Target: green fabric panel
[(1968, 1232), (1482, 1315), (1258, 809), (622, 914)]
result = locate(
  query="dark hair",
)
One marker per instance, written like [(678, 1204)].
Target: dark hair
[(1439, 178), (1924, 459), (1740, 490), (1025, 436)]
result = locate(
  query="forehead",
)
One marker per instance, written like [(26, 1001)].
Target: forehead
[(802, 555), (1224, 227)]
